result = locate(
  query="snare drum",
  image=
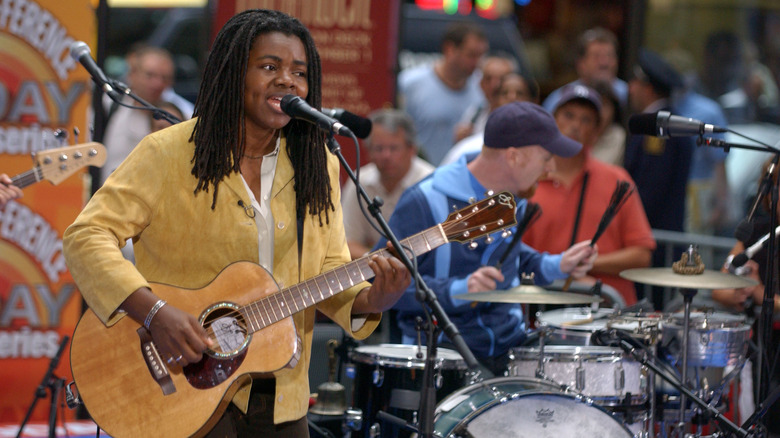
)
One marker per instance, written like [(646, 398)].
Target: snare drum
[(645, 327), (389, 377), (519, 407), (715, 339), (604, 374), (572, 325)]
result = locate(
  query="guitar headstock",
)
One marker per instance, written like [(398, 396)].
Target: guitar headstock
[(58, 164), (487, 216)]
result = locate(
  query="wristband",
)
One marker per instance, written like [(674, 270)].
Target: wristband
[(157, 306)]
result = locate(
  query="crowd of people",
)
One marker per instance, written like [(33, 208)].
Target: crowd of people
[(241, 180)]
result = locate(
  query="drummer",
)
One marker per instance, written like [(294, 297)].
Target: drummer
[(519, 143), (744, 299), (579, 190)]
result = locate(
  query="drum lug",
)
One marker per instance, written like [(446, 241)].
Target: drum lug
[(378, 377), (353, 419), (580, 378), (620, 378)]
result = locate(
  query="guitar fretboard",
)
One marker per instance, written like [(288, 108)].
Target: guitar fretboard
[(273, 308), (27, 178)]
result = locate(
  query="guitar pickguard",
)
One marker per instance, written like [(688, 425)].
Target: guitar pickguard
[(211, 371)]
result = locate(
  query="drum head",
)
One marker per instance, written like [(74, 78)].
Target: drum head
[(405, 356), (509, 407), (575, 318)]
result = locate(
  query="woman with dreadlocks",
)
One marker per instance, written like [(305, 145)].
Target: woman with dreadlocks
[(239, 182)]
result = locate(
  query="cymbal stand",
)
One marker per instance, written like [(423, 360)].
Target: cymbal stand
[(543, 332), (688, 295)]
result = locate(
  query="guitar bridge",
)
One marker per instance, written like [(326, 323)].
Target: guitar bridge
[(154, 362)]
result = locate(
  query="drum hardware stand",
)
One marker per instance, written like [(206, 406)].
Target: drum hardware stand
[(436, 316), (767, 187), (55, 385), (640, 353)]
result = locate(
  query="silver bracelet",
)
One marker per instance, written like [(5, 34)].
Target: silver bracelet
[(157, 306)]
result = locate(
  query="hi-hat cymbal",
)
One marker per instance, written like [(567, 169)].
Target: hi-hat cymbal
[(528, 294), (666, 277)]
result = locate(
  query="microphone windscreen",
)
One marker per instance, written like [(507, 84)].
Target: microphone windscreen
[(643, 124), (739, 260), (360, 126), (744, 230)]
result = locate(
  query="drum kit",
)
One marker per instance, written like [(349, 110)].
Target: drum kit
[(589, 371)]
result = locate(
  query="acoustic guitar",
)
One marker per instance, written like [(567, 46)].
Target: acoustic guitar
[(55, 165), (130, 390)]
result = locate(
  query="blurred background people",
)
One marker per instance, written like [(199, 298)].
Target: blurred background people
[(610, 146), (394, 167), (492, 69), (597, 60), (659, 167), (151, 72), (513, 87), (436, 95)]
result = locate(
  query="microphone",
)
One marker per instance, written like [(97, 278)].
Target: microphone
[(740, 259), (361, 126), (297, 108), (79, 51), (664, 124)]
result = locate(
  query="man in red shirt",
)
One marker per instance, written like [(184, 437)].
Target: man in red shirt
[(583, 183)]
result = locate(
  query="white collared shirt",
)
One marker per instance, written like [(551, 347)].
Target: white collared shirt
[(264, 218)]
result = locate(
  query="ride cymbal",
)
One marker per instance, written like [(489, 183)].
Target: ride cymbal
[(666, 277)]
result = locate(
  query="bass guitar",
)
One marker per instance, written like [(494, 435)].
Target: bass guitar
[(55, 165)]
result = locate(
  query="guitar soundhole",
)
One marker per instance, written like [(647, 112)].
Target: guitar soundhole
[(227, 327)]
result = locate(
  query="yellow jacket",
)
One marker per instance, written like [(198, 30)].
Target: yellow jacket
[(179, 240)]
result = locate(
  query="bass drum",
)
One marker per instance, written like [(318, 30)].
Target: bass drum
[(522, 407)]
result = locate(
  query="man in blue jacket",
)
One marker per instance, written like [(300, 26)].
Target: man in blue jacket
[(520, 141)]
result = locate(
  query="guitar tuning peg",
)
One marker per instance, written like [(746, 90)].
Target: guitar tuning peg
[(506, 233), (473, 245), (489, 193), (489, 240), (472, 200)]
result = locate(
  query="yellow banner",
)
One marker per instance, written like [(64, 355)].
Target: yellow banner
[(44, 96)]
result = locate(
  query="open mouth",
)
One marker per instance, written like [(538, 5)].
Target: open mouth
[(276, 103)]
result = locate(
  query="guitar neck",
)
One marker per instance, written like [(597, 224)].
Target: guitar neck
[(273, 308), (25, 179)]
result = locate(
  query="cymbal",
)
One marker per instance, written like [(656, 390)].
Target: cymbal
[(666, 277), (529, 294)]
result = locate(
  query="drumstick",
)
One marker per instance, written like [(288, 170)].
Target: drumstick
[(622, 191), (531, 214)]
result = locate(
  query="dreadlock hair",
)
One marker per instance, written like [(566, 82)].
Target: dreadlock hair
[(219, 133)]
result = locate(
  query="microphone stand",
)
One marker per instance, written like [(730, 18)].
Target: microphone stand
[(54, 384), (426, 297), (157, 113), (770, 281)]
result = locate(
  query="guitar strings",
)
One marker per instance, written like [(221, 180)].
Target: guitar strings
[(243, 313)]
